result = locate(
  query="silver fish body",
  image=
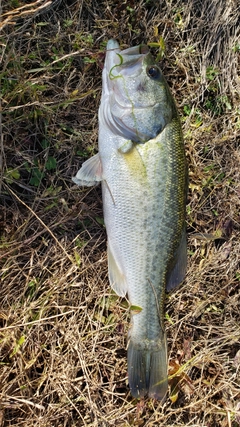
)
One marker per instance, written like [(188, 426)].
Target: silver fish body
[(141, 164)]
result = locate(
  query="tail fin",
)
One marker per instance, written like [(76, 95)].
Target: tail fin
[(148, 368)]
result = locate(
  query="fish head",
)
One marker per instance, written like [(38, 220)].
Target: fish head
[(136, 101)]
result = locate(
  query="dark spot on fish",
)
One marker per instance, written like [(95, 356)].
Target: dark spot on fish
[(141, 88)]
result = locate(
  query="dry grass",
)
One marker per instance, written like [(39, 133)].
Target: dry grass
[(63, 332)]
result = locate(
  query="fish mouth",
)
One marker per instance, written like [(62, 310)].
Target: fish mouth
[(124, 62), (129, 64)]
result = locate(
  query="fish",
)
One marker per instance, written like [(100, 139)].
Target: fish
[(142, 168)]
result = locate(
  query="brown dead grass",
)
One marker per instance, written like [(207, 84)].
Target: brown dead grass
[(63, 332)]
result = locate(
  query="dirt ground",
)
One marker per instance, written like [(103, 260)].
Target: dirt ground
[(63, 332)]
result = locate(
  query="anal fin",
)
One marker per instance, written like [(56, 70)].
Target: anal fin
[(116, 276)]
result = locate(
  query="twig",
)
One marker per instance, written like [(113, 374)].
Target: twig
[(11, 16), (24, 401), (34, 322)]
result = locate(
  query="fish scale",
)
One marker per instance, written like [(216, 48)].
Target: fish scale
[(143, 174)]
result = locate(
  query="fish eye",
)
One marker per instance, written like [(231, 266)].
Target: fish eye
[(153, 72)]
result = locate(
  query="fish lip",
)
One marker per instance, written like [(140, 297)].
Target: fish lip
[(112, 45), (130, 51), (141, 49)]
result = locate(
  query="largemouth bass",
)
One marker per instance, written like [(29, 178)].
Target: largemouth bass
[(141, 165)]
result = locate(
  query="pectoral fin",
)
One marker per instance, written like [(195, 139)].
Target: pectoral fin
[(177, 274), (116, 277), (90, 172)]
